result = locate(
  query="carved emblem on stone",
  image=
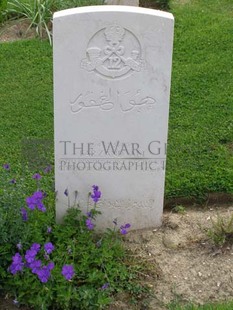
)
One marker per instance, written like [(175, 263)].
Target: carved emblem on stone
[(113, 52)]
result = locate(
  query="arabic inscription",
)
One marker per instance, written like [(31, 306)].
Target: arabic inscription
[(104, 100)]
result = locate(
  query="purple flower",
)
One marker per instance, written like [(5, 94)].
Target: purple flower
[(89, 224), (123, 229), (43, 274), (30, 256), (49, 230), (6, 167), (96, 194), (89, 214), (48, 169), (36, 201), (24, 214), (14, 268), (35, 247), (95, 187), (68, 271), (31, 202), (66, 192), (41, 207), (50, 266), (105, 286), (38, 195), (17, 264), (13, 181), (49, 247), (35, 266), (16, 258), (36, 176)]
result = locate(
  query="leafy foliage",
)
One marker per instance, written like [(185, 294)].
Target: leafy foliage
[(66, 266), (3, 6), (40, 12), (221, 231), (179, 209)]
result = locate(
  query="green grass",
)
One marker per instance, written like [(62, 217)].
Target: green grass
[(201, 113), (222, 306), (26, 97)]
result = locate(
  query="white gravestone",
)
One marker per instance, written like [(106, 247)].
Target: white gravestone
[(122, 2), (112, 71)]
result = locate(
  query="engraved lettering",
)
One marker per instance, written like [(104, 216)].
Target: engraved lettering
[(64, 145), (110, 148), (155, 150), (104, 100)]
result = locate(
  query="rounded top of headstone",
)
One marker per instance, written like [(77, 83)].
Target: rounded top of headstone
[(113, 8)]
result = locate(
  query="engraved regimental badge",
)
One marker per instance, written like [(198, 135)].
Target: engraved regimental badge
[(113, 52)]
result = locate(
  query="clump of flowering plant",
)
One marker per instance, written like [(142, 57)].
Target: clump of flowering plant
[(66, 266)]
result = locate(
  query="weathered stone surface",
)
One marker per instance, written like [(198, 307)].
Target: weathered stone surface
[(111, 97)]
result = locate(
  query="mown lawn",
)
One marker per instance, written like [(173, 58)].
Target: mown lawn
[(26, 100), (222, 306), (200, 144), (201, 114)]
